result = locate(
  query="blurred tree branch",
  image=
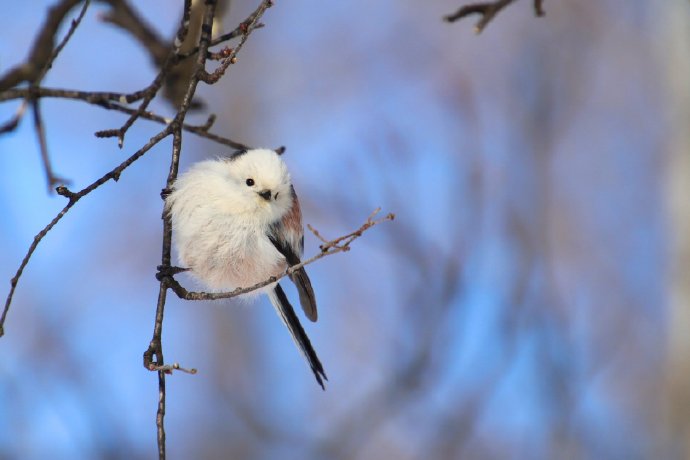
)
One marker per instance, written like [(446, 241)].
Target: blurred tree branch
[(488, 11), (42, 51), (34, 70), (675, 426)]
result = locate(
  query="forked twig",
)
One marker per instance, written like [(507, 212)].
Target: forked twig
[(107, 100), (150, 91), (488, 11), (36, 75)]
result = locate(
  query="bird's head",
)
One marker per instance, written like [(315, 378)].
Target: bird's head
[(260, 179)]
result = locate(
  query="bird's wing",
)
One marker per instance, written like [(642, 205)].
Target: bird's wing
[(288, 238), (307, 299), (287, 314)]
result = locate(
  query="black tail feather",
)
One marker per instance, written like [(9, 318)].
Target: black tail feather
[(287, 314)]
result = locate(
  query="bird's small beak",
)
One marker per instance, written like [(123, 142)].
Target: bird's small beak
[(265, 194)]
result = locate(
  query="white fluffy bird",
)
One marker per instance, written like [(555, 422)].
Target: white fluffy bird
[(236, 222)]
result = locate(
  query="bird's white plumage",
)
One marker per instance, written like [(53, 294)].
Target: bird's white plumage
[(237, 222), (220, 222)]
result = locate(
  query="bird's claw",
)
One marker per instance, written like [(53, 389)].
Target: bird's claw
[(168, 271)]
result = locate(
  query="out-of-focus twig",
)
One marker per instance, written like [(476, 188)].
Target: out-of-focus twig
[(42, 49), (13, 122), (176, 77), (35, 78), (51, 178), (122, 15), (174, 88), (488, 11), (150, 92)]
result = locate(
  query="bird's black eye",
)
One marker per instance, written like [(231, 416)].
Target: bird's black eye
[(250, 182)]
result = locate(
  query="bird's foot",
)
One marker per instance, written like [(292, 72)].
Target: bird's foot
[(168, 271)]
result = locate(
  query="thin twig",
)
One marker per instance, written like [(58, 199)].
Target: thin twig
[(41, 50), (217, 41), (341, 244), (150, 91), (12, 123), (92, 97), (539, 8), (51, 178), (246, 27), (72, 28), (201, 131), (488, 11), (124, 16), (34, 77), (317, 234), (169, 368), (208, 125), (73, 197), (105, 100), (177, 77), (34, 82)]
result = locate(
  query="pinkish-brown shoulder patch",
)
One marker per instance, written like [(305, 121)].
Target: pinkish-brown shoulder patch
[(292, 220)]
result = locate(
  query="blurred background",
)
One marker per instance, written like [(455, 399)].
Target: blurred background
[(531, 299)]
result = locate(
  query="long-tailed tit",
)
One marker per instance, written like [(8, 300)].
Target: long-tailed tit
[(237, 222)]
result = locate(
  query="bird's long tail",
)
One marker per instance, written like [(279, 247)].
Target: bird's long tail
[(287, 314)]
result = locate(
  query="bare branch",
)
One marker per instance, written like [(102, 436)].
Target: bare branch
[(150, 92), (92, 97), (105, 100), (177, 77), (488, 11), (245, 28), (217, 41), (73, 27), (169, 368), (123, 15), (34, 81), (42, 50), (12, 124), (51, 178), (539, 8), (42, 54)]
